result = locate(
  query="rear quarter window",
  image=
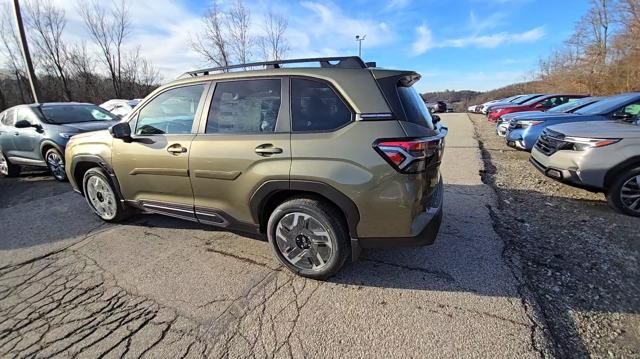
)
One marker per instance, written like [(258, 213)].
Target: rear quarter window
[(414, 107), (315, 106)]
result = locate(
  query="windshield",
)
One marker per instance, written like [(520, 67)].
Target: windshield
[(605, 106), (63, 114), (525, 98), (414, 107)]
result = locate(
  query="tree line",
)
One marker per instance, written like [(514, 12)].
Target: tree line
[(69, 71), (602, 56), (103, 66)]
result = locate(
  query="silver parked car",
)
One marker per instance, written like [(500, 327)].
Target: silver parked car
[(597, 156)]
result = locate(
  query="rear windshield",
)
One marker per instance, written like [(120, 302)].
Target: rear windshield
[(62, 114), (414, 107)]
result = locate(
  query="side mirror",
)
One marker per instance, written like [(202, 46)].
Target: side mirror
[(435, 119), (23, 124), (121, 130), (539, 106)]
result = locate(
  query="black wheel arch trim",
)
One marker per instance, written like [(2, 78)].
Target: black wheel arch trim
[(104, 165), (619, 168), (49, 143), (268, 189)]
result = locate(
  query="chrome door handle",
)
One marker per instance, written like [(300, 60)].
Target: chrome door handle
[(266, 150), (177, 148)]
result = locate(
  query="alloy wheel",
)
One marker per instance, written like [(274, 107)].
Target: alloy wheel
[(101, 198), (630, 194), (56, 164), (4, 165), (304, 241)]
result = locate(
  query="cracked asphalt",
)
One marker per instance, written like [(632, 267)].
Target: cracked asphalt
[(72, 286)]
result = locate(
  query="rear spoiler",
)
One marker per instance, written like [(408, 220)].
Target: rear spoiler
[(388, 82)]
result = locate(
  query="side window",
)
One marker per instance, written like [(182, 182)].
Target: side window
[(315, 106), (632, 110), (246, 106), (25, 113), (9, 117), (553, 102), (171, 112)]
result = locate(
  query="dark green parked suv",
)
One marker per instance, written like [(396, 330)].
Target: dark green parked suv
[(323, 160)]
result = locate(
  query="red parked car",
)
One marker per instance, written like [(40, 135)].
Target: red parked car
[(541, 103)]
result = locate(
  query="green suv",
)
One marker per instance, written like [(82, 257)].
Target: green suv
[(324, 160)]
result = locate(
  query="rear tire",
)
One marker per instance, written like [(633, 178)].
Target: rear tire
[(624, 193), (309, 237), (55, 163), (102, 197), (8, 169)]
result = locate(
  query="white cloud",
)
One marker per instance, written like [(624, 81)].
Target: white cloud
[(424, 41), (328, 26), (469, 80), (397, 4), (486, 22), (497, 39)]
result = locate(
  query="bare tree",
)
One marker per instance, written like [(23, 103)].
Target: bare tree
[(11, 49), (139, 75), (274, 43), (47, 23), (212, 43), (108, 29), (82, 68), (240, 40)]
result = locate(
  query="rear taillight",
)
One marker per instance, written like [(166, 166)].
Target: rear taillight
[(408, 156)]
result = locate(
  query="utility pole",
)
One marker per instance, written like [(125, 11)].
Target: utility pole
[(359, 39), (24, 46)]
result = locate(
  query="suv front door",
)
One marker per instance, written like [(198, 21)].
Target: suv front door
[(7, 131), (153, 168), (26, 141), (244, 142)]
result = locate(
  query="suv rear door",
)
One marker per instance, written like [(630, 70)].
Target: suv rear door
[(153, 168), (243, 142)]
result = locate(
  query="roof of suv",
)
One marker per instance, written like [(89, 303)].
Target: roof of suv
[(356, 82)]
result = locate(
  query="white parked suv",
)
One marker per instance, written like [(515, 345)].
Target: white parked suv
[(120, 108)]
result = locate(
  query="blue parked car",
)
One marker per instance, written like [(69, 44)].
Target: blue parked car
[(523, 133)]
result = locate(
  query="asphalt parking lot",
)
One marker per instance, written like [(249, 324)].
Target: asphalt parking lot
[(159, 287)]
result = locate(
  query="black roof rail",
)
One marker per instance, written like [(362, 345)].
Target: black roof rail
[(344, 62)]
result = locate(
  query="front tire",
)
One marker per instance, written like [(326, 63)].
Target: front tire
[(624, 193), (8, 169), (102, 197), (309, 237), (55, 163)]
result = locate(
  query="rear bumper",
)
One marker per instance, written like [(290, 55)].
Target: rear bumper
[(426, 226)]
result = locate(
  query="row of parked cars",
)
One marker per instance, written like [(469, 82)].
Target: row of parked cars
[(589, 142)]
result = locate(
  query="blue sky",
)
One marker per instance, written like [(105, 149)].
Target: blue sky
[(465, 44)]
